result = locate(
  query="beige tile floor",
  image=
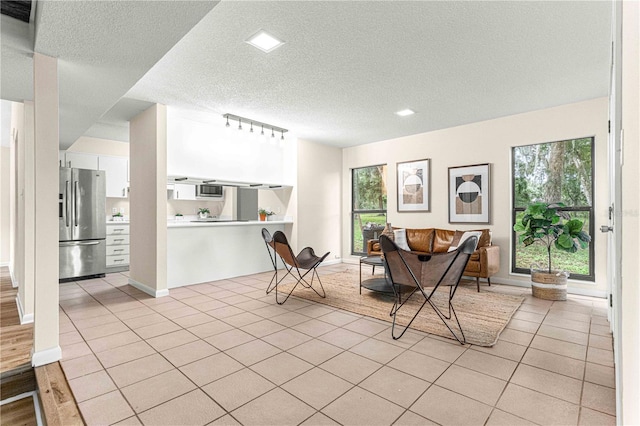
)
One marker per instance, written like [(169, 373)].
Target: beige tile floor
[(226, 353)]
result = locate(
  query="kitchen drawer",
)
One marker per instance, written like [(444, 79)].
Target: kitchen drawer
[(117, 250), (118, 260), (117, 229), (115, 240)]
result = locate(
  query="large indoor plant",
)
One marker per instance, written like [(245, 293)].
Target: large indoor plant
[(551, 226)]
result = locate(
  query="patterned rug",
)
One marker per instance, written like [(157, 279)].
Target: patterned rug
[(482, 315)]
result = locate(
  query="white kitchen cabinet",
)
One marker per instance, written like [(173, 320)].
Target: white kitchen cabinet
[(116, 172), (80, 160), (183, 191), (117, 247)]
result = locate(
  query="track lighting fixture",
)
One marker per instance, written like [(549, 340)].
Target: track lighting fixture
[(257, 123)]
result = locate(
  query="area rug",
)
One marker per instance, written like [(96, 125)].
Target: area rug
[(482, 315)]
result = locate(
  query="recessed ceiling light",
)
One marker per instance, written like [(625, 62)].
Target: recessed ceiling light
[(405, 112), (264, 41)]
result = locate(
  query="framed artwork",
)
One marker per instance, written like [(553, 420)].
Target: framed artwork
[(469, 194), (413, 186)]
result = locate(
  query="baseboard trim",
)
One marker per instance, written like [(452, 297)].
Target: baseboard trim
[(570, 290), (150, 291), (24, 319), (2, 264), (46, 357), (14, 281), (332, 262)]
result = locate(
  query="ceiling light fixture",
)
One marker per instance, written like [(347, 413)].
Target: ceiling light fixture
[(405, 112), (264, 41), (257, 123)]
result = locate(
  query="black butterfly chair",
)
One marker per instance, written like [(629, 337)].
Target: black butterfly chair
[(426, 273), (306, 261)]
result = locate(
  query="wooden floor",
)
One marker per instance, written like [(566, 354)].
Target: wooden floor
[(15, 340), (20, 412)]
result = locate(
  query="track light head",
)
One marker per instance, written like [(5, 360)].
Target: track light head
[(227, 125), (251, 129), (272, 134), (239, 124)]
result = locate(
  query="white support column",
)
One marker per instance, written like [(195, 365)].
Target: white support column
[(26, 218), (46, 348), (148, 201)]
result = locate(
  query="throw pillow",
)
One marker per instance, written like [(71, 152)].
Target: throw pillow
[(400, 238), (464, 237)]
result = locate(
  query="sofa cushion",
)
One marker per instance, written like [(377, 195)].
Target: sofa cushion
[(442, 240), (420, 239)]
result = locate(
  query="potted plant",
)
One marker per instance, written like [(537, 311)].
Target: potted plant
[(179, 216), (203, 212), (263, 213), (551, 226)]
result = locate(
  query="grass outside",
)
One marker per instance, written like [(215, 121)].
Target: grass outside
[(575, 263)]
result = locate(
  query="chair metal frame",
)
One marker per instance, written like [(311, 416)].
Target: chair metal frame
[(306, 260), (465, 249)]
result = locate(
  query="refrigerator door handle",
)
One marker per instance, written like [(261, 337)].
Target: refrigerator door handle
[(79, 243), (67, 208), (75, 201)]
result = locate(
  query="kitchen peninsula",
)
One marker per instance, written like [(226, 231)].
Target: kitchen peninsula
[(199, 252)]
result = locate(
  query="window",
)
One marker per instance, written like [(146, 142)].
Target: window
[(554, 172), (368, 207)]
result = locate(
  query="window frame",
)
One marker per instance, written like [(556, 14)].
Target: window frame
[(590, 209), (355, 211)]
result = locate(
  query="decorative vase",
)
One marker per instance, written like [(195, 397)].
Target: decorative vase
[(549, 286), (263, 217), (202, 215), (388, 231)]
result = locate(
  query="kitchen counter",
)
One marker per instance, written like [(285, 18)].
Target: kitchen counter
[(200, 252), (189, 224)]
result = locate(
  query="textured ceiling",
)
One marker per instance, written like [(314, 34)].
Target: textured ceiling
[(103, 48), (345, 69)]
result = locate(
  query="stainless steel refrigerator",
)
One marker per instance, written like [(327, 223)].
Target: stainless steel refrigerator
[(82, 218)]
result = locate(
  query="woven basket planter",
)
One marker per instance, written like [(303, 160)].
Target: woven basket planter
[(549, 286)]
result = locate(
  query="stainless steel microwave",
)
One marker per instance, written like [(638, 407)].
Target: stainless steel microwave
[(209, 191)]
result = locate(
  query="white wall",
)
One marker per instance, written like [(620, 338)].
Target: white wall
[(487, 142), (5, 223), (630, 297), (319, 199), (201, 146), (100, 147)]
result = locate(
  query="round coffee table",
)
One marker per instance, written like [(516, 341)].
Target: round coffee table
[(379, 284)]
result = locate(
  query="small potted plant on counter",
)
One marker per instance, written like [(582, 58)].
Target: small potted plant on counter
[(203, 213), (179, 217), (543, 223), (116, 217), (263, 213)]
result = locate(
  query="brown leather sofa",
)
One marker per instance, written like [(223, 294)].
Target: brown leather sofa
[(483, 263)]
